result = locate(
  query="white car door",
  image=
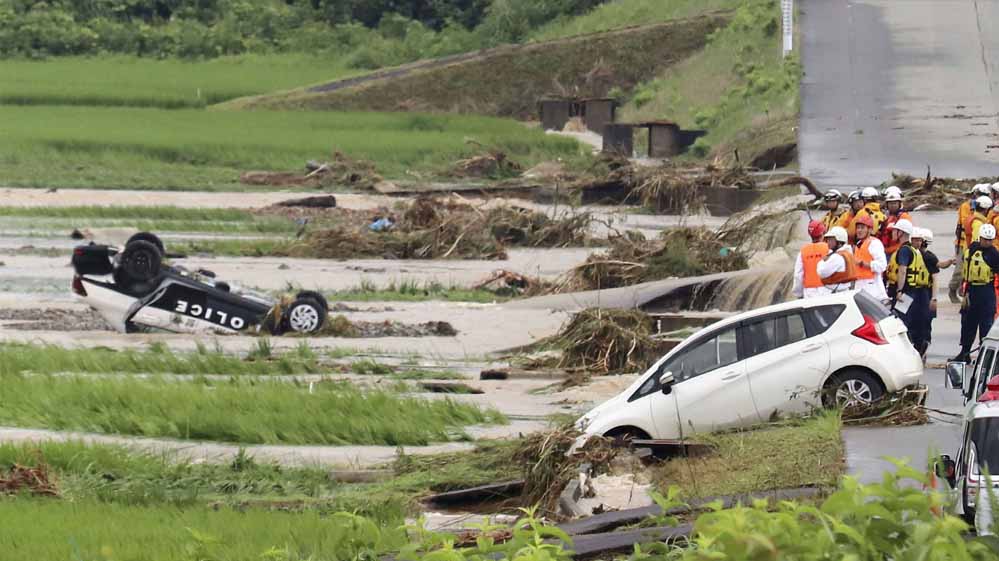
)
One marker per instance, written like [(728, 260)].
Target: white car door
[(710, 389), (785, 366)]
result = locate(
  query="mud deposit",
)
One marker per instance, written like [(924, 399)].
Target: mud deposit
[(52, 319)]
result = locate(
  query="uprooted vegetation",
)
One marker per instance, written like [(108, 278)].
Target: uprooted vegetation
[(599, 341), (930, 192), (632, 259), (430, 228)]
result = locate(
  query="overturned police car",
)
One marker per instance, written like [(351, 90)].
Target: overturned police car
[(135, 290)]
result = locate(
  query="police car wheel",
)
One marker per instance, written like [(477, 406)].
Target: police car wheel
[(305, 315), (141, 261), (315, 296), (852, 388)]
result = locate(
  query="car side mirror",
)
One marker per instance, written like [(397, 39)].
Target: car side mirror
[(945, 467), (954, 380), (666, 383)]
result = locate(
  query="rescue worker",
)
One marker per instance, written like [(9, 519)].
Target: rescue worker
[(869, 254), (981, 263), (871, 208), (830, 202), (993, 216), (908, 278), (921, 239), (963, 212), (838, 270), (807, 283), (893, 213), (979, 217), (856, 203)]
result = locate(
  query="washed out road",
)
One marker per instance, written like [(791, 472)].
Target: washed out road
[(898, 85)]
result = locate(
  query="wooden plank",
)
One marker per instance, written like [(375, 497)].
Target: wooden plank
[(481, 493), (610, 520), (593, 545)]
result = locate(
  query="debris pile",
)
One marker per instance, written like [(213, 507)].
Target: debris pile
[(632, 259), (548, 467), (929, 193), (504, 282), (492, 164), (340, 326), (903, 409), (341, 170), (23, 479), (435, 228), (604, 341)]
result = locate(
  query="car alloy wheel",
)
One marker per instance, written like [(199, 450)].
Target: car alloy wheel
[(854, 392), (304, 318)]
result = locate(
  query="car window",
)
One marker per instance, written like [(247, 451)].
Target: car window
[(820, 318), (705, 356), (985, 439), (984, 368), (870, 306), (790, 329)]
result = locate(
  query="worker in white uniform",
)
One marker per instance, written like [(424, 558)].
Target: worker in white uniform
[(838, 270)]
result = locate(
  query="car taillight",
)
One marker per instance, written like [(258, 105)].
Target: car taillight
[(78, 288), (870, 332), (991, 390)]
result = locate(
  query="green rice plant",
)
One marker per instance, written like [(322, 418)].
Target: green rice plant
[(409, 290), (256, 412), (158, 359), (163, 83), (191, 149), (36, 530)]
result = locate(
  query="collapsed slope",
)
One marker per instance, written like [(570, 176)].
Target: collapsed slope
[(508, 81)]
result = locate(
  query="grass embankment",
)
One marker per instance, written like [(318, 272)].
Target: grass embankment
[(508, 81), (258, 412), (207, 150), (793, 454), (738, 88), (164, 83), (627, 13), (145, 218)]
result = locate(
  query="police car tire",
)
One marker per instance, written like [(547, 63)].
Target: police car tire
[(148, 237), (304, 307), (315, 296), (141, 261)]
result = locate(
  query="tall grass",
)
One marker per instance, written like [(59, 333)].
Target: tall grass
[(165, 83), (52, 359), (236, 411), (617, 14), (407, 290), (191, 149), (39, 530)]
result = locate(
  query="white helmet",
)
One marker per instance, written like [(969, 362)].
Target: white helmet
[(903, 225), (921, 233), (869, 193), (927, 235), (995, 187), (838, 233), (983, 202), (982, 189), (893, 193), (854, 196), (833, 195), (987, 232)]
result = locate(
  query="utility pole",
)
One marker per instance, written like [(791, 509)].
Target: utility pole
[(787, 24)]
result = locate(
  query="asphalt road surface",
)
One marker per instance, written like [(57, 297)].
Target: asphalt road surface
[(898, 85)]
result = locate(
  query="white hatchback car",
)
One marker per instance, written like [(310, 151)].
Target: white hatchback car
[(782, 359)]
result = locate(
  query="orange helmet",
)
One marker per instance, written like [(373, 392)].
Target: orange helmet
[(865, 220)]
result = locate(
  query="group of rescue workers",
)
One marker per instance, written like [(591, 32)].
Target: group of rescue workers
[(873, 246)]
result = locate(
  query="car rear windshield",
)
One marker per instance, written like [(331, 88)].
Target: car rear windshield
[(985, 435), (869, 306)]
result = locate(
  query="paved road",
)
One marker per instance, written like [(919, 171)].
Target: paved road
[(896, 85)]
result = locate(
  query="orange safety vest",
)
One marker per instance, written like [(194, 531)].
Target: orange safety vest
[(849, 274), (885, 236), (811, 254), (969, 226), (862, 252)]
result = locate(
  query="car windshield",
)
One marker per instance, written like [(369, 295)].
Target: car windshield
[(985, 436)]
